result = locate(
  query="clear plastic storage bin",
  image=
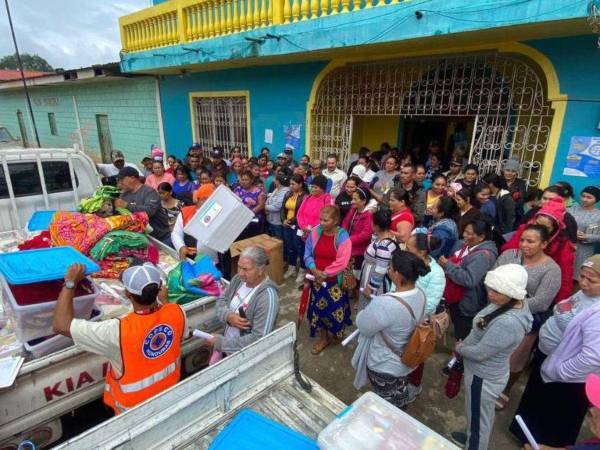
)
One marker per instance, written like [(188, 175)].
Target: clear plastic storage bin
[(35, 320), (372, 423), (50, 344)]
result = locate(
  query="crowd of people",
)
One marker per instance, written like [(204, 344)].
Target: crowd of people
[(401, 236)]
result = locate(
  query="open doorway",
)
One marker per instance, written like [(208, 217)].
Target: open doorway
[(451, 133), (412, 134)]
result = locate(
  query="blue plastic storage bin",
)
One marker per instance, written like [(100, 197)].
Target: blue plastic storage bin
[(45, 264), (40, 220), (249, 430)]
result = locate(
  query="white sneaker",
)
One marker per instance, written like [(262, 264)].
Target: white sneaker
[(291, 271), (301, 275), (413, 392)]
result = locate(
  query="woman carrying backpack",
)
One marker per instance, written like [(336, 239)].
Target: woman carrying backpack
[(497, 331), (385, 326)]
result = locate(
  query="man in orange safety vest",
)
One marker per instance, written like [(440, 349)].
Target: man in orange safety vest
[(143, 348)]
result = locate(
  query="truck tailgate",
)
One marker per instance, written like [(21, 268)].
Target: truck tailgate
[(189, 415), (51, 386)]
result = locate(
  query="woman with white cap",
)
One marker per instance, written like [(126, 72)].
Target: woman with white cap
[(143, 348), (497, 331)]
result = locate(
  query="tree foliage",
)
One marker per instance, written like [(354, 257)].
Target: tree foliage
[(30, 62)]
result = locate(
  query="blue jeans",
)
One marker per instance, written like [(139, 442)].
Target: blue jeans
[(276, 231), (293, 247)]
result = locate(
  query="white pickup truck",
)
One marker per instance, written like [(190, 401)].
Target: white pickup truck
[(56, 384)]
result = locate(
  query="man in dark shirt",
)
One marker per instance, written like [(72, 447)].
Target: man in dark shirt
[(136, 196), (406, 180)]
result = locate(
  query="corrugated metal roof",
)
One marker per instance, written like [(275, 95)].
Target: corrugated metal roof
[(14, 74)]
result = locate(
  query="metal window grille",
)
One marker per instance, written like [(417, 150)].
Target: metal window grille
[(502, 94), (221, 122)]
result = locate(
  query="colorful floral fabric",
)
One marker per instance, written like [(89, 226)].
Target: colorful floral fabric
[(136, 222), (78, 230), (83, 231), (329, 309)]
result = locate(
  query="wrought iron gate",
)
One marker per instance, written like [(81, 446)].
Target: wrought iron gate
[(221, 121), (504, 94)]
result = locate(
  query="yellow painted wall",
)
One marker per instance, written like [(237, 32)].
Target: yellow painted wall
[(371, 131)]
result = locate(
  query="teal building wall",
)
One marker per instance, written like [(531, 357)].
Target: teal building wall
[(577, 64), (130, 104), (278, 97)]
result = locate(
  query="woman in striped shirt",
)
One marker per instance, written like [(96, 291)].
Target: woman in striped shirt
[(374, 278)]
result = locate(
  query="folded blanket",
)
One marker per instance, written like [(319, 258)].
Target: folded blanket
[(83, 231), (115, 241), (103, 195), (42, 240), (80, 231)]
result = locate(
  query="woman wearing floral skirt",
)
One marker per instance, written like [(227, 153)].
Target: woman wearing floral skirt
[(327, 253)]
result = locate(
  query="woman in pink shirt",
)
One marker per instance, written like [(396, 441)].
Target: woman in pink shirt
[(159, 176), (310, 210), (359, 225)]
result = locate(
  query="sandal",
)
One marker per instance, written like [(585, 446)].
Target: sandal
[(319, 347), (501, 402), (336, 340)]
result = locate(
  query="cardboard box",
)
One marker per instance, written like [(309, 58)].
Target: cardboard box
[(271, 245)]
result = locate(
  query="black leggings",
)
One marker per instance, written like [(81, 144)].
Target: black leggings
[(553, 412), (462, 324)]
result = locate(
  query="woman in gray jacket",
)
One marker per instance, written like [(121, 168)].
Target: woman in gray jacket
[(250, 304), (497, 331), (385, 325), (274, 203), (471, 258)]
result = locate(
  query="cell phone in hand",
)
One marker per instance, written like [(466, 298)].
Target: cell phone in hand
[(242, 314)]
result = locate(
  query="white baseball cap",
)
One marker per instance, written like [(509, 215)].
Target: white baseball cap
[(136, 278)]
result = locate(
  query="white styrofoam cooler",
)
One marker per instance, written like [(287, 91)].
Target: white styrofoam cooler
[(35, 321)]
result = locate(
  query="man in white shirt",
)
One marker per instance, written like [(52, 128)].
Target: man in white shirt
[(337, 176), (178, 235), (145, 344), (110, 171)]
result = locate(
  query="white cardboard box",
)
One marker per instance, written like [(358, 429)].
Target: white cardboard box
[(220, 220)]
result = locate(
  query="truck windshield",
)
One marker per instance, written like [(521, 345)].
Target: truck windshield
[(5, 135)]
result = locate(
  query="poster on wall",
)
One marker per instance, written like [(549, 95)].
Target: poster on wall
[(583, 159), (292, 136)]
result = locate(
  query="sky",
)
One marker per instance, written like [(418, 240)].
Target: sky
[(69, 34)]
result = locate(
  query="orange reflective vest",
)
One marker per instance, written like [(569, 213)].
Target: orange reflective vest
[(150, 349), (187, 212)]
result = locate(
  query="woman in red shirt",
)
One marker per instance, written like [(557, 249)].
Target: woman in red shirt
[(327, 253), (403, 221)]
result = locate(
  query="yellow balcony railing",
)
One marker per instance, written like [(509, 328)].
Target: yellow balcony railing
[(180, 21)]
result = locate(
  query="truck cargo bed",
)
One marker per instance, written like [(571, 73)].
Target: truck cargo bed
[(190, 415), (286, 403)]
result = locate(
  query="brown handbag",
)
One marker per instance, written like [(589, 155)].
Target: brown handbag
[(349, 282), (421, 344)]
